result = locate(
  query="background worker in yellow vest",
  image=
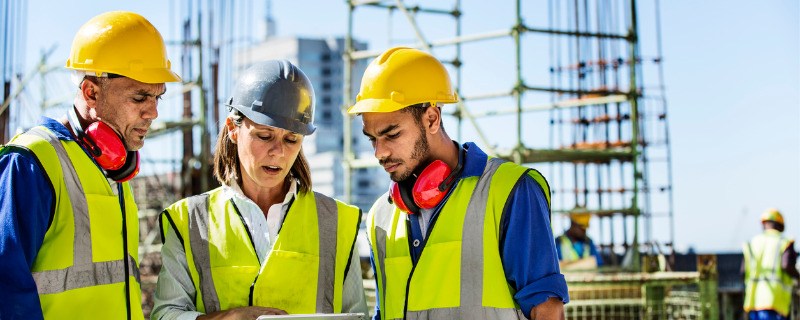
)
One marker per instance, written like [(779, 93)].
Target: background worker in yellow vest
[(769, 267), (263, 243), (460, 235), (575, 249), (70, 236)]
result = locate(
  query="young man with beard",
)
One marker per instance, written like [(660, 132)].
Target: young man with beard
[(69, 237), (460, 235)]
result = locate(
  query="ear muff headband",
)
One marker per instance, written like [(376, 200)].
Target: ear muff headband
[(451, 178)]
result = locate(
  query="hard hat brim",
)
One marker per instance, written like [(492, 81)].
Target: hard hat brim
[(582, 225), (144, 76), (153, 76), (387, 105), (276, 121), (375, 105)]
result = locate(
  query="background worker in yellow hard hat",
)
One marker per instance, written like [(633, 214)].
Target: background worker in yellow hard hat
[(460, 235), (575, 248), (70, 234), (769, 267)]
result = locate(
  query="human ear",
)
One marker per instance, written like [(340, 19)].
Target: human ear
[(89, 91), (432, 119), (233, 134)]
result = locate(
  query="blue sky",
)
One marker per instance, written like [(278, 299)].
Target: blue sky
[(732, 75)]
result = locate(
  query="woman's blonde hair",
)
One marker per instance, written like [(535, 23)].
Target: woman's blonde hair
[(228, 166)]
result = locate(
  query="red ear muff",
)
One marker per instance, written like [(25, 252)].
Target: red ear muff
[(396, 198), (128, 170), (426, 190), (401, 195), (106, 146)]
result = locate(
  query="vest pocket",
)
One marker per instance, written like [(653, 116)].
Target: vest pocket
[(105, 219), (232, 284), (397, 271), (436, 281), (288, 282)]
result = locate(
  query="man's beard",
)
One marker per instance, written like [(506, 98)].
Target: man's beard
[(422, 151)]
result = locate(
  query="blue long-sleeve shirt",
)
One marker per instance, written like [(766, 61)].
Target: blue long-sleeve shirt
[(528, 252), (26, 211)]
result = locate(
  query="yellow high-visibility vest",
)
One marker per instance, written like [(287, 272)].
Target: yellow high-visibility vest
[(89, 256), (304, 272), (460, 272), (568, 252), (767, 286)]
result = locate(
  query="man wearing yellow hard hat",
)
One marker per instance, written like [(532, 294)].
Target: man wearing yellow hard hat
[(769, 270), (575, 249), (459, 235), (70, 233)]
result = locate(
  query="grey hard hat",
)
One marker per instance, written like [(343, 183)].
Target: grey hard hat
[(277, 94)]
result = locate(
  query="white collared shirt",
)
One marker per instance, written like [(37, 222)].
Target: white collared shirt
[(264, 231)]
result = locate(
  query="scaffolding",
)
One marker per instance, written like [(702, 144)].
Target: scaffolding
[(566, 90), (584, 114), (12, 40), (646, 295), (586, 119)]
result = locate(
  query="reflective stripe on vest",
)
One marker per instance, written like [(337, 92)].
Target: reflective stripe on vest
[(568, 252), (387, 222), (378, 236), (327, 216), (198, 237), (767, 286), (83, 272), (472, 247)]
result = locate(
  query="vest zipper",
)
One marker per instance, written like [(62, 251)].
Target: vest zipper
[(413, 267), (434, 217), (246, 227), (253, 285), (121, 196)]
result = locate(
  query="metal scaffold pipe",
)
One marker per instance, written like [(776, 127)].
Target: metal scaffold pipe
[(634, 126), (348, 100)]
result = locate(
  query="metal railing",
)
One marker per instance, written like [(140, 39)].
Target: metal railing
[(645, 295)]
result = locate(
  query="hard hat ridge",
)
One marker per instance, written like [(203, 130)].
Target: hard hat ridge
[(401, 77), (276, 93), (123, 43)]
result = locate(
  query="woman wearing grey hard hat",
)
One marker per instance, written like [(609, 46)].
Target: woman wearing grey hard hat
[(263, 242)]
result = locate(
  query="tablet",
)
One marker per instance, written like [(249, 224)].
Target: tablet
[(317, 316)]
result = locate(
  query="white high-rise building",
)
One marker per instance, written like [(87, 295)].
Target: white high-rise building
[(321, 60)]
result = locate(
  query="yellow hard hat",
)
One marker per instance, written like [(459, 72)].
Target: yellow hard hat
[(122, 43), (772, 215), (401, 77), (581, 219)]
